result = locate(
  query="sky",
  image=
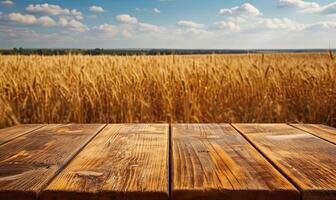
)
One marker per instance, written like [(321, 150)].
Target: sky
[(180, 24)]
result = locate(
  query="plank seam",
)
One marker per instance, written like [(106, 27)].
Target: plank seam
[(269, 160), (311, 133), (69, 161), (29, 132), (170, 142)]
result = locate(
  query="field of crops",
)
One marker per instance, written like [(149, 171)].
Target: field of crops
[(202, 88)]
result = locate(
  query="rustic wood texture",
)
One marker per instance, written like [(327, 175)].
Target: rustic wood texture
[(322, 131), (211, 161), (29, 162), (8, 134), (125, 161), (308, 161)]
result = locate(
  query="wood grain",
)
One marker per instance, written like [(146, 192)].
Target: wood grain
[(322, 131), (125, 161), (29, 162), (211, 161), (10, 133), (306, 160)]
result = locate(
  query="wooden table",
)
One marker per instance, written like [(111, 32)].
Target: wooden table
[(162, 161)]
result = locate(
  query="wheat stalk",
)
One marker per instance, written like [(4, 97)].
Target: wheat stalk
[(197, 88)]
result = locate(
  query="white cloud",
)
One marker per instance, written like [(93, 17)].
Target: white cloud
[(96, 9), (148, 27), (53, 10), (24, 37), (20, 33), (7, 3), (22, 19), (126, 19), (31, 19), (133, 31), (109, 29), (229, 25), (257, 25), (329, 9), (322, 26), (238, 19), (198, 33), (189, 34), (189, 24), (77, 14), (72, 25), (279, 23), (141, 9), (156, 10), (48, 9), (309, 7), (298, 4), (246, 9), (63, 21), (46, 21), (127, 30), (77, 26)]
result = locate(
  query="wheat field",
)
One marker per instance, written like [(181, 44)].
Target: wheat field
[(199, 88)]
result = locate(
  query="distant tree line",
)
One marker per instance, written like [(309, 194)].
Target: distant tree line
[(123, 52)]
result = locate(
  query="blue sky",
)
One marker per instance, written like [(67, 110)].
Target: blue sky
[(218, 24)]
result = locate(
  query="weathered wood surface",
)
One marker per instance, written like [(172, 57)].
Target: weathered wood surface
[(216, 162), (131, 161), (125, 161), (28, 163), (322, 131), (8, 134), (306, 160)]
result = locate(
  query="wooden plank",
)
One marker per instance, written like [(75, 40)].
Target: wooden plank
[(215, 162), (125, 161), (10, 133), (322, 131), (308, 161), (28, 163)]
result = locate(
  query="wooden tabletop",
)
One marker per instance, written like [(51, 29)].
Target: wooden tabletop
[(162, 161)]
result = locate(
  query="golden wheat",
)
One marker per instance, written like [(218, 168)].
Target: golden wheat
[(202, 88)]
